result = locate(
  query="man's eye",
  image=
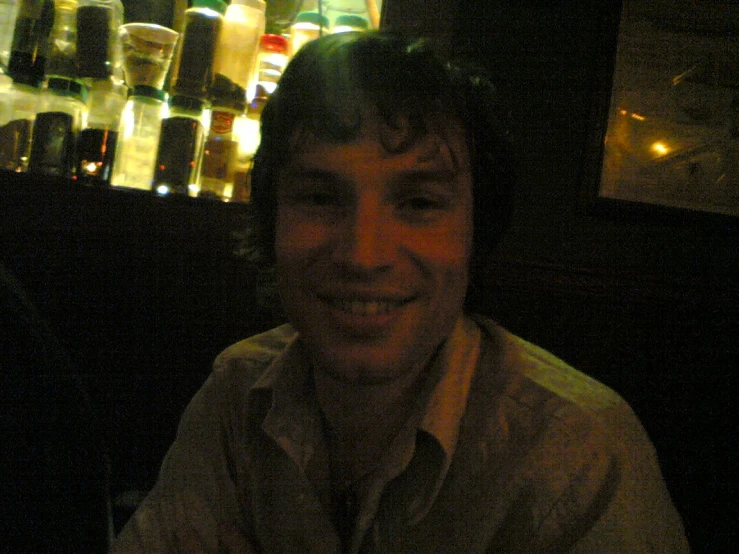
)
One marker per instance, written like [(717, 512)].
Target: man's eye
[(317, 199), (422, 203), (313, 198)]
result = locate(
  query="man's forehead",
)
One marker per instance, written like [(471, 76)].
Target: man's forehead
[(441, 141)]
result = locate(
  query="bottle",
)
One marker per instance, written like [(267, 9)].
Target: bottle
[(96, 142), (147, 53), (57, 124), (271, 62), (62, 60), (348, 22), (138, 138), (8, 13), (238, 43), (18, 106), (29, 47), (180, 150), (220, 150), (248, 136), (203, 23), (98, 45), (307, 26)]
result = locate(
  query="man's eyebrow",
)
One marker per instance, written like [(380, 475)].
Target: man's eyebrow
[(445, 176)]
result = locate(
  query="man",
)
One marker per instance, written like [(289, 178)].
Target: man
[(386, 417)]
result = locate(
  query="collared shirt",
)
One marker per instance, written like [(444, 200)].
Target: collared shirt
[(508, 450)]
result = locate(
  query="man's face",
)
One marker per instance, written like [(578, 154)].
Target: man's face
[(372, 250)]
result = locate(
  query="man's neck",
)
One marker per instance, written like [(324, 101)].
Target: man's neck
[(362, 420)]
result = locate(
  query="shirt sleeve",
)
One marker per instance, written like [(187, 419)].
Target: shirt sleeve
[(193, 506)]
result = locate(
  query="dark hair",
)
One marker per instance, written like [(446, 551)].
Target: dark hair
[(323, 90)]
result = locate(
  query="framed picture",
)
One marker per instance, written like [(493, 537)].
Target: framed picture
[(668, 137)]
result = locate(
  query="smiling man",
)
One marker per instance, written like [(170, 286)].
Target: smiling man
[(386, 417)]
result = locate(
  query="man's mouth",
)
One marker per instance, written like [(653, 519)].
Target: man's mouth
[(363, 307)]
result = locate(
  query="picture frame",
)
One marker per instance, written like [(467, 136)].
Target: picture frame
[(665, 123)]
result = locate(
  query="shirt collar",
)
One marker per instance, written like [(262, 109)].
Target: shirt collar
[(292, 416)]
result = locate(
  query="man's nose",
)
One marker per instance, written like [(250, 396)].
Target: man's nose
[(367, 241)]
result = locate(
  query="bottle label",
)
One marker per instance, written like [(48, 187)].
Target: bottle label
[(221, 122)]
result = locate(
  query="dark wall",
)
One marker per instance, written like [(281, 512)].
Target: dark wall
[(646, 301)]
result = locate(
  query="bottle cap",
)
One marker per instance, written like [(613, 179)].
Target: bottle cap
[(351, 20), (215, 5), (186, 103), (67, 87), (148, 91), (312, 17), (273, 43)]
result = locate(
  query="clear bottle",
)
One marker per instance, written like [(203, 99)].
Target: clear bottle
[(203, 23), (57, 123), (98, 44), (307, 26), (62, 60), (180, 150), (138, 138), (96, 142), (19, 106), (238, 43), (8, 13), (271, 62)]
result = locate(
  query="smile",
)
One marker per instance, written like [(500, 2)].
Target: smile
[(364, 307)]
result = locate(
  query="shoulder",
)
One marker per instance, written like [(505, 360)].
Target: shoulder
[(537, 379), (247, 359), (550, 404)]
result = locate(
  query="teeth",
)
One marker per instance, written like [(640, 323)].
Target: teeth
[(365, 308)]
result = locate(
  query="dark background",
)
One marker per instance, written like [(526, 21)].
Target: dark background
[(143, 292)]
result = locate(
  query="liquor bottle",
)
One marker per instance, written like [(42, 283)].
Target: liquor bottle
[(138, 138), (56, 126), (20, 101), (8, 13), (98, 44), (180, 150), (97, 141), (62, 58), (203, 23)]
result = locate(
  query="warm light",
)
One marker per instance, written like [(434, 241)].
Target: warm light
[(91, 167), (660, 148), (638, 117)]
